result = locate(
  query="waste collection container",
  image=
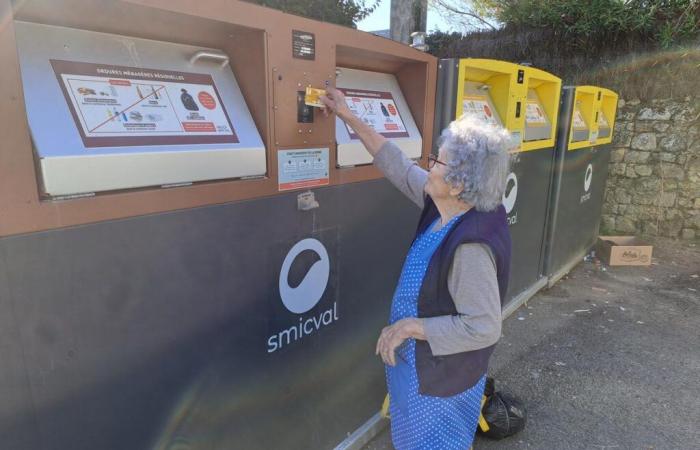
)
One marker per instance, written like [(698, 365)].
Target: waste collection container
[(586, 124), (525, 101), (189, 256)]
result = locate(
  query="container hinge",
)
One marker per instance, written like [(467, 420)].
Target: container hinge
[(174, 185), (72, 196)]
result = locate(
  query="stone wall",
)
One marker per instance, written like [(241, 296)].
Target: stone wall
[(653, 184)]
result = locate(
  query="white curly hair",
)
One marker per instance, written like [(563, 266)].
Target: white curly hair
[(477, 159)]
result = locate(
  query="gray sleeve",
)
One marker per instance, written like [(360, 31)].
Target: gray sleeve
[(403, 173), (474, 287)]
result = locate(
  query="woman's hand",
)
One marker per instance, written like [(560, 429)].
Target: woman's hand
[(394, 335), (335, 103)]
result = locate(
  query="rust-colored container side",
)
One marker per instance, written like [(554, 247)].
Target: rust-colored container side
[(258, 42)]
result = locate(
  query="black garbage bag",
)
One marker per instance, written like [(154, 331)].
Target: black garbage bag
[(504, 413), (489, 387)]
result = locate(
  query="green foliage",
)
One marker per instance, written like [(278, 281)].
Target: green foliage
[(341, 12), (640, 49), (667, 22), (658, 75)]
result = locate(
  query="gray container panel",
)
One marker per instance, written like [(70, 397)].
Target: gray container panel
[(445, 99), (577, 196), (579, 205), (155, 331), (17, 419), (580, 135), (527, 217)]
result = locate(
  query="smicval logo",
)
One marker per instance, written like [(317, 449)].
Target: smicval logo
[(302, 297), (509, 197), (587, 178)]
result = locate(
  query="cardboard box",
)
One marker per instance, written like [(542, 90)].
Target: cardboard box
[(623, 251)]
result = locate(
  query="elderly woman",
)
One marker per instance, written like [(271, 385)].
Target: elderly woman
[(446, 311)]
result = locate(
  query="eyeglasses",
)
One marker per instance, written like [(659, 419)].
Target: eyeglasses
[(432, 160)]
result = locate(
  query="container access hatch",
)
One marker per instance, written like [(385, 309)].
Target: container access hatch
[(376, 98), (477, 102), (109, 112)]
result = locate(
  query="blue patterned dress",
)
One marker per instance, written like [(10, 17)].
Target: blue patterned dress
[(420, 421)]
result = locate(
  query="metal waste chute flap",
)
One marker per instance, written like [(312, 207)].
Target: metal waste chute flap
[(477, 103), (109, 112), (375, 98), (537, 124), (579, 128)]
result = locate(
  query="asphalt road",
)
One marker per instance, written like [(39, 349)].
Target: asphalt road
[(608, 359)]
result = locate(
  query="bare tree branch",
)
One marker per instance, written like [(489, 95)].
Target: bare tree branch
[(444, 4)]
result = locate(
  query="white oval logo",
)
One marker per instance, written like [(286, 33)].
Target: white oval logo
[(511, 192), (589, 176), (303, 297)]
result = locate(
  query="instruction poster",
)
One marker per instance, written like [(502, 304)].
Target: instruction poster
[(124, 106), (303, 168), (377, 109), (479, 107), (603, 121), (534, 115)]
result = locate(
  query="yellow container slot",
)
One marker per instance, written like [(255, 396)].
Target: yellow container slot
[(525, 99), (583, 124), (607, 115), (499, 80), (597, 107), (542, 92)]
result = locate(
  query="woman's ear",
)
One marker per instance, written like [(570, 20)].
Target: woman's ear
[(456, 189)]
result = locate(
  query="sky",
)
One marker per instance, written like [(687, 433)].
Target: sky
[(379, 19)]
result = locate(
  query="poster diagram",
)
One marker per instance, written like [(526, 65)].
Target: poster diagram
[(578, 121), (377, 109), (479, 107), (603, 121), (124, 106), (534, 115), (302, 168)]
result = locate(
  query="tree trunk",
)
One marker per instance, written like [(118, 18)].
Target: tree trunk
[(408, 16)]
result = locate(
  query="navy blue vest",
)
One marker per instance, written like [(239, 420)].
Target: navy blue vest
[(443, 376)]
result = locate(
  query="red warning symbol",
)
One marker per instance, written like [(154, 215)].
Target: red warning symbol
[(391, 109), (206, 100), (487, 110)]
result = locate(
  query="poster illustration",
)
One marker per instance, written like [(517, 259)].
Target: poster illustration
[(125, 106), (302, 168), (479, 107), (377, 109), (534, 115)]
